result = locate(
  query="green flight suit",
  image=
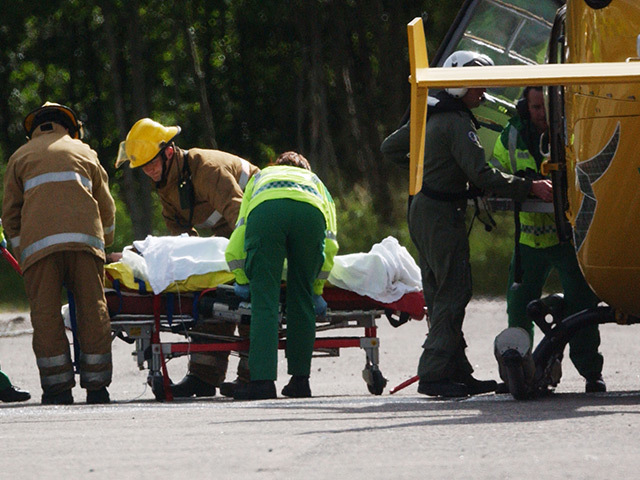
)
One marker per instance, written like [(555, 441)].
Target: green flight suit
[(540, 252), (453, 158)]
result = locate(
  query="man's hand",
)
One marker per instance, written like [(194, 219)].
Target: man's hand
[(114, 257), (319, 305), (242, 291), (542, 189)]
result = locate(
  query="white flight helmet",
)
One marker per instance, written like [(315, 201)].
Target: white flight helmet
[(465, 58)]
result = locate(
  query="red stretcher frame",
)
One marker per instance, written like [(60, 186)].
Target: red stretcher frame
[(140, 318)]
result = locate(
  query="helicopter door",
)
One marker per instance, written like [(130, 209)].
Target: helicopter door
[(557, 129)]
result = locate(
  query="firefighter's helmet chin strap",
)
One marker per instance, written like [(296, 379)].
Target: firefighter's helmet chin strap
[(165, 163)]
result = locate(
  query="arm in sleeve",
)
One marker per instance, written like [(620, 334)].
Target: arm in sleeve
[(106, 204), (396, 146), (235, 254), (12, 207), (330, 243), (469, 155), (500, 155), (221, 189)]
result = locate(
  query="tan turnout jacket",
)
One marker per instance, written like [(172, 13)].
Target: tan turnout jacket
[(219, 178), (56, 197)]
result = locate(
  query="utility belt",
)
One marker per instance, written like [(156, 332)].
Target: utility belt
[(472, 192)]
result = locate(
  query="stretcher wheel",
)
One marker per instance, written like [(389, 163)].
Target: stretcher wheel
[(375, 381), (515, 376), (157, 387)]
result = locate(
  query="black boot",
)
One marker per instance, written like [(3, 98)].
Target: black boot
[(255, 390), (476, 387), (14, 394), (443, 388), (227, 388), (298, 387), (191, 385), (95, 397), (62, 398), (595, 384)]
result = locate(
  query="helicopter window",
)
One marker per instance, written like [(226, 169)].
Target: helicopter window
[(511, 32)]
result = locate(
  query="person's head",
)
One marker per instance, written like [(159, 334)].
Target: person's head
[(148, 145), (535, 107), (472, 97), (53, 113), (294, 159)]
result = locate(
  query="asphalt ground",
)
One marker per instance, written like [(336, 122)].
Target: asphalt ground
[(342, 432)]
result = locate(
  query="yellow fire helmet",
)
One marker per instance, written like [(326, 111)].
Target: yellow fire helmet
[(53, 112), (144, 141)]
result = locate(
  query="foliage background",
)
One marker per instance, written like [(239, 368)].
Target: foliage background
[(327, 78)]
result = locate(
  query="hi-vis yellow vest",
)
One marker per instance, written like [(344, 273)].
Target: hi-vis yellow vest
[(538, 230), (294, 183)]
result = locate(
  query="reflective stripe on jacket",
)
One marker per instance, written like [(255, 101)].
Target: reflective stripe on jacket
[(284, 182), (538, 230)]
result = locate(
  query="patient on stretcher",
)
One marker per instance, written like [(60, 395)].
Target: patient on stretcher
[(181, 264)]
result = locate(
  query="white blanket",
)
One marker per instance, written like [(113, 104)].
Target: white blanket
[(385, 273), (172, 259)]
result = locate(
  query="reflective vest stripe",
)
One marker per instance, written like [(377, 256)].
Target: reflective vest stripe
[(49, 380), (236, 264), (57, 361), (538, 230), (15, 241), (57, 177), (61, 238), (287, 184), (330, 235), (109, 229), (323, 275), (513, 144)]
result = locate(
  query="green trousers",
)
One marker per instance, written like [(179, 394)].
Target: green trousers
[(438, 230), (278, 230), (4, 381), (537, 264)]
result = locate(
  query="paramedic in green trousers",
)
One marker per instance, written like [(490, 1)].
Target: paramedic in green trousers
[(453, 159), (286, 213), (517, 149)]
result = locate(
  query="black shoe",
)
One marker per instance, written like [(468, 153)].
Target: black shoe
[(502, 387), (255, 390), (62, 398), (595, 384), (14, 394), (298, 387), (98, 396), (191, 385), (227, 388), (443, 388), (476, 387)]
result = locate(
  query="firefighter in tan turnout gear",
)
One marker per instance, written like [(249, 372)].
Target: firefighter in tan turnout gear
[(58, 215), (199, 189)]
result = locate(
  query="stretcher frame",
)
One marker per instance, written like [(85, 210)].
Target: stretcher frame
[(178, 314)]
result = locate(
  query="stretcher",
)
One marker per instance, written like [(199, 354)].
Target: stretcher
[(144, 319)]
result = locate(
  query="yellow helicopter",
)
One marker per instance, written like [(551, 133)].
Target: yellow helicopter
[(586, 55)]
